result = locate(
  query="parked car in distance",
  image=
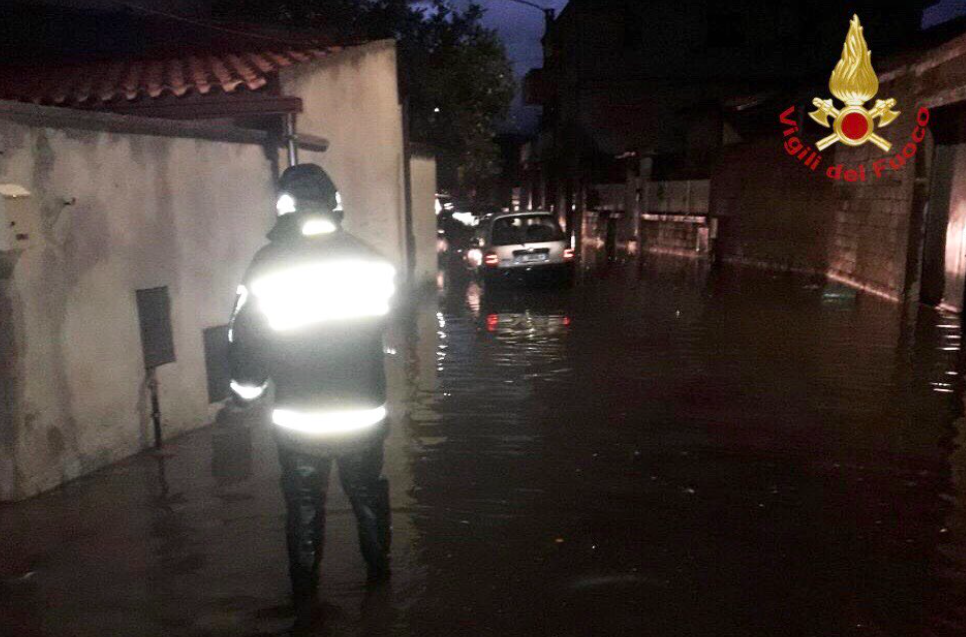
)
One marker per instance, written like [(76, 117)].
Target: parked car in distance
[(456, 221), (521, 245)]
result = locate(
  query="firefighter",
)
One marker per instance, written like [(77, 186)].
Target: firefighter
[(309, 318)]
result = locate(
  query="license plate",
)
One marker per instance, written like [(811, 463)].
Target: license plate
[(531, 258)]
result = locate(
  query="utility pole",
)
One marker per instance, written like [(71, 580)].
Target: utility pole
[(549, 14), (567, 201)]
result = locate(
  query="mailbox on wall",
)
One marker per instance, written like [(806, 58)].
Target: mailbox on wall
[(157, 343), (154, 315), (19, 218)]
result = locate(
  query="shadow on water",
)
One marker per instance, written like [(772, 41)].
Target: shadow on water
[(691, 451)]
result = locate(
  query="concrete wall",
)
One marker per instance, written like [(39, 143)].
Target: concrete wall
[(149, 211), (352, 99), (423, 179)]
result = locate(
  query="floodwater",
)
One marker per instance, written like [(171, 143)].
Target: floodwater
[(688, 452)]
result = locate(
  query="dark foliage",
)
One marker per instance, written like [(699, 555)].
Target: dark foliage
[(454, 71)]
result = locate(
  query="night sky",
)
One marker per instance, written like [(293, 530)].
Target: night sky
[(521, 28), (942, 11)]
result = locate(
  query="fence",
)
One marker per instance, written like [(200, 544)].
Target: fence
[(674, 219)]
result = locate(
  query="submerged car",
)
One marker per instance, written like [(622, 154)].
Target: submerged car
[(525, 245)]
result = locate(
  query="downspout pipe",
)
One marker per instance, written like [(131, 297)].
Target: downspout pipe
[(410, 235), (291, 139)]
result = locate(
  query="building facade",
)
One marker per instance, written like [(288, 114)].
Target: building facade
[(622, 78), (113, 210), (665, 102), (898, 233)]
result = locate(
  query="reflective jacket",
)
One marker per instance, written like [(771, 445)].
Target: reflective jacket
[(310, 316)]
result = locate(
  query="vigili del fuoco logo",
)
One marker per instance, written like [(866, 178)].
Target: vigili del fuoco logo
[(854, 83)]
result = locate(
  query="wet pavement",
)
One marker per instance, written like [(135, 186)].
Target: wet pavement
[(691, 452)]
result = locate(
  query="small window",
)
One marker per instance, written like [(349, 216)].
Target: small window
[(525, 229)]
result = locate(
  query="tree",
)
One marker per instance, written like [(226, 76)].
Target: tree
[(454, 71)]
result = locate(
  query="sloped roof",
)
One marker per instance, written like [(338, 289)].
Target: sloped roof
[(103, 83)]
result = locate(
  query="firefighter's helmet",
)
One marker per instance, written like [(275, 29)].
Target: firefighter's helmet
[(306, 187)]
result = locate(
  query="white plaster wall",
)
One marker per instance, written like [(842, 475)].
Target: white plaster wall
[(149, 211), (352, 99), (423, 175), (153, 211)]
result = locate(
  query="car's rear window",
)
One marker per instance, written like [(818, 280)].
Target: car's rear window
[(525, 229)]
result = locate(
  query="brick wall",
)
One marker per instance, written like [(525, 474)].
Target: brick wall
[(670, 237), (777, 213)]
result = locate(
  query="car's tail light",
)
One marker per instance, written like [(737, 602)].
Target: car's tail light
[(568, 253), (491, 258)]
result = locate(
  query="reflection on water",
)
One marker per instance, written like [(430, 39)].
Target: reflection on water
[(695, 452), (692, 452)]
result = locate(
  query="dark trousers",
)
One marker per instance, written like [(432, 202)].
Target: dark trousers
[(305, 480)]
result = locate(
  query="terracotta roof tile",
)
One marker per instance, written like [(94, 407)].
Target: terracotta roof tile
[(175, 73), (109, 81), (153, 76), (198, 75), (99, 83), (260, 63), (278, 59)]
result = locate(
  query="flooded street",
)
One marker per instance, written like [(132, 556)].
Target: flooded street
[(691, 452)]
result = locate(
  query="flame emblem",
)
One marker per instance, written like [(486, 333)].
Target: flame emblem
[(854, 82)]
